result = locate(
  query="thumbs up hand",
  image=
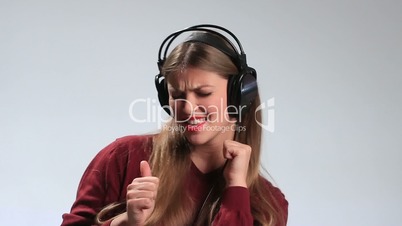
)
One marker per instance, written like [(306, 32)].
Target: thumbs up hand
[(141, 194)]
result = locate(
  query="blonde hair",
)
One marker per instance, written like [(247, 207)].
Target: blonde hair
[(170, 160)]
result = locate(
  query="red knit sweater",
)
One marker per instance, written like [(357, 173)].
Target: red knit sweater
[(107, 176)]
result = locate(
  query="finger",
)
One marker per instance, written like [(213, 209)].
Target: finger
[(145, 169), (141, 194), (140, 203), (231, 149), (230, 154), (150, 185)]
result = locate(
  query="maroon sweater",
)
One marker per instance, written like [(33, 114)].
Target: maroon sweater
[(107, 176)]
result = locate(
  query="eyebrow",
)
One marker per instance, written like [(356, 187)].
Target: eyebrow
[(195, 88), (202, 86)]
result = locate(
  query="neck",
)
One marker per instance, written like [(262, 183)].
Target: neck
[(207, 159), (209, 156)]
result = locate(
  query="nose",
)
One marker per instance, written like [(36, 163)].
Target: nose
[(189, 105), (186, 107)]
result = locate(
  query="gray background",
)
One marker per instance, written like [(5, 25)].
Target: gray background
[(70, 69)]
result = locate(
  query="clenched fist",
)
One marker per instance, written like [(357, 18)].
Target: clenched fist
[(238, 156)]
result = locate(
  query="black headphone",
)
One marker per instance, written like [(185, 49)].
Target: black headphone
[(242, 88)]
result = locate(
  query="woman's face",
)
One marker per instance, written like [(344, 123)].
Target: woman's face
[(198, 99)]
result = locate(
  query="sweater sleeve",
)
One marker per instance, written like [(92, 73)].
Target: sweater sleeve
[(281, 200), (235, 208), (92, 189), (105, 180)]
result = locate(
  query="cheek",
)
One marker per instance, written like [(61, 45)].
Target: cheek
[(172, 103), (215, 105), (175, 107), (217, 109)]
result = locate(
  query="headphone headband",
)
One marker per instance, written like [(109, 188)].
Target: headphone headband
[(241, 62)]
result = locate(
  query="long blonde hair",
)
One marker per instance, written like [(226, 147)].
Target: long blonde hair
[(170, 159)]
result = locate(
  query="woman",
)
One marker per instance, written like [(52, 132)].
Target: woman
[(202, 168)]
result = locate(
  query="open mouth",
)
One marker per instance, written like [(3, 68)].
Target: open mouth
[(195, 124)]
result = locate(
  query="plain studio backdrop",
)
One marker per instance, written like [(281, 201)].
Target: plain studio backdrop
[(329, 72)]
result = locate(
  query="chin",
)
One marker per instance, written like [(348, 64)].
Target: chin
[(196, 139)]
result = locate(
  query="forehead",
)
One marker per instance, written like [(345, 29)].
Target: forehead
[(193, 78)]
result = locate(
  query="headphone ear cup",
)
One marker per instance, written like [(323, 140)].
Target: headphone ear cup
[(232, 98), (248, 88), (242, 91), (163, 94)]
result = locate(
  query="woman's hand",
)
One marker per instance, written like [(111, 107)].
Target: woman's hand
[(238, 157), (141, 194)]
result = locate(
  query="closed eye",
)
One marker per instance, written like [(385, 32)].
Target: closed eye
[(204, 94)]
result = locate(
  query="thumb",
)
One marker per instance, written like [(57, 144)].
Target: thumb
[(145, 169)]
